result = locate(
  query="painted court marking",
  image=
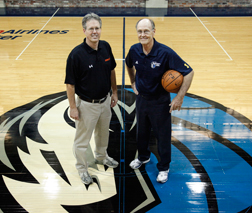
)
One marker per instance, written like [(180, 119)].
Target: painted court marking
[(211, 34), (37, 35)]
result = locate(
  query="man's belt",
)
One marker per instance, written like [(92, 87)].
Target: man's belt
[(94, 100)]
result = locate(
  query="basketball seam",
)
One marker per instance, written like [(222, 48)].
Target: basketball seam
[(172, 81)]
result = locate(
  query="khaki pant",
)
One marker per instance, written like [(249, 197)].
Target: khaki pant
[(92, 117)]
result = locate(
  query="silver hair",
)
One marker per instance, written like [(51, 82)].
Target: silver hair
[(90, 16), (151, 21)]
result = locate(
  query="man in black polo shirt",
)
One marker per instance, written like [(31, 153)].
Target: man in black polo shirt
[(146, 63), (90, 75)]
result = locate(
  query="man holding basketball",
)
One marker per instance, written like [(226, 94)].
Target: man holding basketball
[(90, 75), (146, 62)]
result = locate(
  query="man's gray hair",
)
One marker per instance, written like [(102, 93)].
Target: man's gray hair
[(151, 21), (90, 16)]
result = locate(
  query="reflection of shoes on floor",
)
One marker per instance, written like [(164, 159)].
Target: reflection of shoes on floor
[(135, 164), (162, 176), (108, 161), (86, 178)]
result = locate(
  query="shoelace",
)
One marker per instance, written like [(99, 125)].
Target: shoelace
[(86, 175), (162, 174), (137, 162)]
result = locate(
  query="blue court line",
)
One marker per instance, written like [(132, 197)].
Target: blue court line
[(122, 134)]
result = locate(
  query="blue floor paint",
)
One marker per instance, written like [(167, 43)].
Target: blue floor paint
[(224, 168), (183, 183), (230, 174), (222, 165)]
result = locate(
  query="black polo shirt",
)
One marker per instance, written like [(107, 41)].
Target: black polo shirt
[(150, 68), (90, 70)]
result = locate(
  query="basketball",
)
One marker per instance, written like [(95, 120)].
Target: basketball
[(172, 81)]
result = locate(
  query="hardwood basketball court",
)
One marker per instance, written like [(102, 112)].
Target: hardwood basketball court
[(219, 49)]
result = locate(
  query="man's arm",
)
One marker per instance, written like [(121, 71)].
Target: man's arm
[(114, 96), (178, 100), (131, 72), (74, 113)]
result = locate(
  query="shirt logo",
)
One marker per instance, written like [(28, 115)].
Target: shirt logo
[(186, 65), (90, 66), (136, 62), (155, 64), (108, 59)]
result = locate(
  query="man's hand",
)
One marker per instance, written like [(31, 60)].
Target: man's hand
[(133, 86), (178, 100), (114, 99), (176, 104), (74, 113)]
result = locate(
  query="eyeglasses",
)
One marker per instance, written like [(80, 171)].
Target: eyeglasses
[(145, 32), (94, 29)]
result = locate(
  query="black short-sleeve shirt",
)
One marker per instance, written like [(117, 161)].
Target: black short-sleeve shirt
[(90, 70), (150, 68)]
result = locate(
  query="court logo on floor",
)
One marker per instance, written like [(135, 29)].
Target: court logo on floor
[(211, 146)]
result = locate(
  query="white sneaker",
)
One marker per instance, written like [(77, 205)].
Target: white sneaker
[(86, 178), (135, 164), (108, 161), (162, 176)]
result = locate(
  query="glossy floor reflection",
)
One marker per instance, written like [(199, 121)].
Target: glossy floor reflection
[(210, 170)]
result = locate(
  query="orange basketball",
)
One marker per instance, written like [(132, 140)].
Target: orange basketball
[(172, 81)]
